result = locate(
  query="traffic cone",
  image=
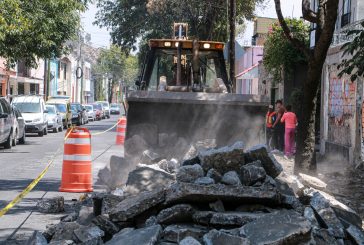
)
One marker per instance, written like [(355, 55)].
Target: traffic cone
[(121, 131), (77, 168)]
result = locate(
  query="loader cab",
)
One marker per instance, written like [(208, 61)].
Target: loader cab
[(184, 66)]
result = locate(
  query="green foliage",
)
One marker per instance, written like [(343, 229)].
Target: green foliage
[(37, 28), (353, 66), (279, 53)]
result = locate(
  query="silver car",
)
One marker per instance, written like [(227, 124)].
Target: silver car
[(54, 119), (90, 112), (20, 127)]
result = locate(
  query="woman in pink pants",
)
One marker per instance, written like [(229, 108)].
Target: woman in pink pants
[(290, 120)]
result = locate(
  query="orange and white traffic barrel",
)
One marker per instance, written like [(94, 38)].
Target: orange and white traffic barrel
[(121, 131), (77, 168)]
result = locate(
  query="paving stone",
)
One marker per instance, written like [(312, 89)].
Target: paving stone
[(312, 181), (213, 174), (204, 181), (144, 236), (217, 206), (52, 205), (177, 214), (148, 179), (225, 159), (187, 192), (37, 239), (189, 173), (231, 178), (215, 237), (89, 235), (271, 166), (176, 233), (326, 215), (135, 205), (250, 174), (282, 227), (189, 241), (356, 234), (226, 219), (103, 222)]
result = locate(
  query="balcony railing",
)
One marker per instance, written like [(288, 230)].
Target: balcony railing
[(340, 36)]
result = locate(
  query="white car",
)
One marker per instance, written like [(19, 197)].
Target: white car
[(90, 112), (54, 119)]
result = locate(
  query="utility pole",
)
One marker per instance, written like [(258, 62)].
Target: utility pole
[(232, 18)]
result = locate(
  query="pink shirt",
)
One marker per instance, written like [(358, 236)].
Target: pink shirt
[(290, 119)]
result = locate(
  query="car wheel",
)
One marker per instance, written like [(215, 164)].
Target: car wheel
[(55, 130), (46, 130), (7, 144), (60, 129), (22, 139), (41, 133), (15, 138)]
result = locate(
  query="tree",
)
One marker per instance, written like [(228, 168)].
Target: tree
[(324, 17), (37, 29), (354, 66)]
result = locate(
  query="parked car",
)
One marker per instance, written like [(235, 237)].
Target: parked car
[(106, 108), (90, 112), (34, 113), (63, 106), (6, 124), (21, 136), (98, 110), (54, 119), (81, 118), (115, 109)]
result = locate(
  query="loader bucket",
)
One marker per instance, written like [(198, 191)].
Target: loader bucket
[(226, 118)]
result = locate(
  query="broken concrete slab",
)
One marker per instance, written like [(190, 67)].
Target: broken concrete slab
[(217, 206), (293, 182), (86, 215), (147, 179), (231, 178), (109, 201), (204, 181), (186, 192), (355, 234), (62, 242), (70, 217), (323, 237), (215, 237), (177, 214), (225, 219), (49, 232), (103, 222), (311, 181), (189, 173), (254, 208), (135, 205), (169, 166), (52, 205), (224, 159), (213, 174), (89, 235), (152, 220), (64, 231), (37, 239), (150, 157), (347, 218), (250, 174), (189, 241), (282, 227), (191, 161), (144, 236), (309, 214), (271, 166), (176, 233)]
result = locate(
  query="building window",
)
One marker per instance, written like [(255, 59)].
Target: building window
[(34, 88), (59, 69), (64, 71), (346, 13), (20, 88)]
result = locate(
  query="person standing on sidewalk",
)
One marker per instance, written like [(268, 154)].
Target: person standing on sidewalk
[(278, 127), (270, 119), (290, 120)]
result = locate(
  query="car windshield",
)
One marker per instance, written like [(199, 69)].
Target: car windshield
[(61, 108), (74, 108), (98, 106), (51, 110), (114, 106), (105, 104), (28, 107), (88, 107)]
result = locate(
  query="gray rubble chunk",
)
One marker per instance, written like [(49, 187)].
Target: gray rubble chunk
[(226, 219), (323, 237), (169, 166), (250, 174), (231, 178), (347, 217), (50, 231), (292, 182), (272, 167), (326, 215), (288, 198), (311, 181), (105, 224), (175, 233), (215, 237), (148, 179), (152, 220), (37, 239), (149, 157), (189, 173), (62, 242), (217, 206), (254, 208), (64, 231), (282, 227), (135, 205), (70, 217), (119, 169), (110, 201), (225, 159), (89, 235), (85, 215), (144, 236), (186, 192), (177, 214), (189, 241), (205, 181), (213, 174), (309, 214), (52, 205), (356, 234)]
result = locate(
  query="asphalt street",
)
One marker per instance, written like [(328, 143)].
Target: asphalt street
[(20, 165)]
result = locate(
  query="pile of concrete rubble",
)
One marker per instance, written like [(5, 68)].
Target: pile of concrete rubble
[(219, 196)]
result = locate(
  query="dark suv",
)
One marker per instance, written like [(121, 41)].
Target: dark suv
[(78, 114), (6, 124)]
